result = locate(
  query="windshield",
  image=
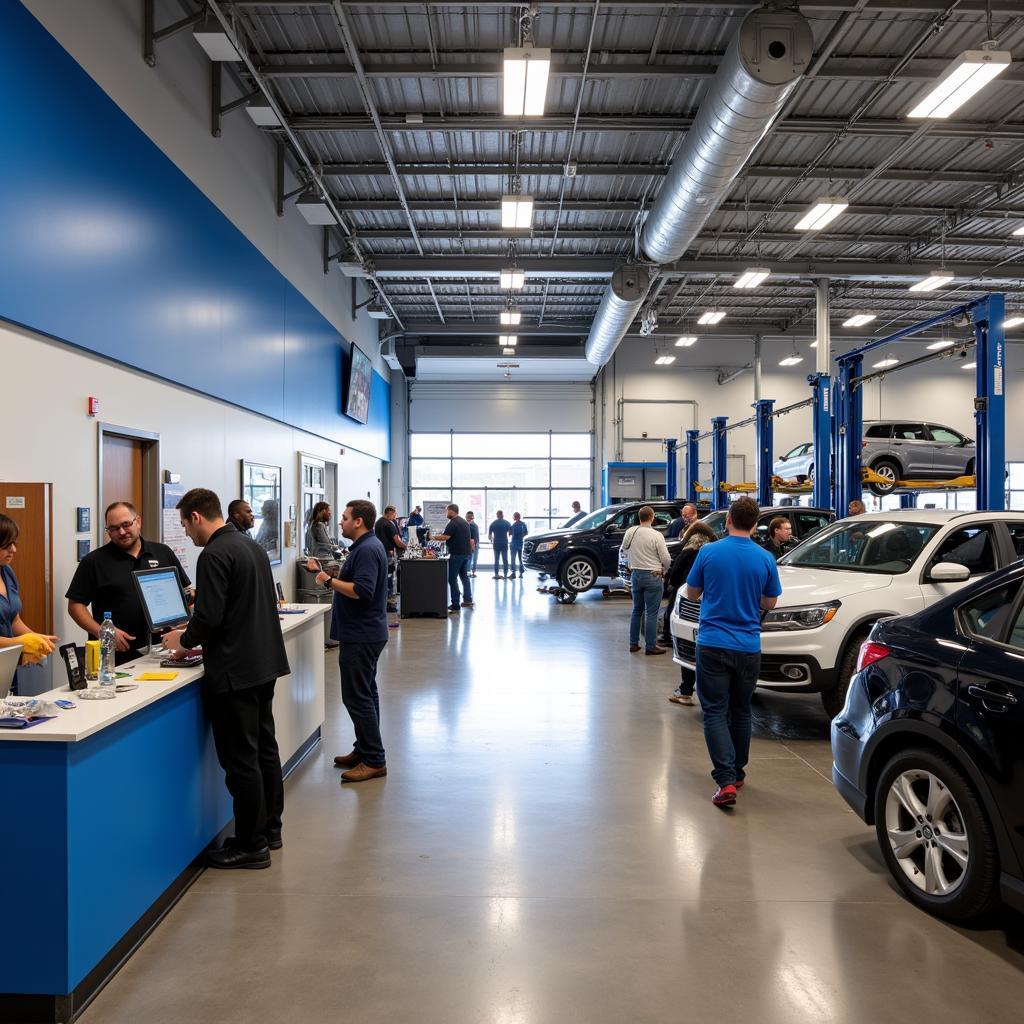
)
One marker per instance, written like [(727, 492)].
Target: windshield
[(886, 546), (716, 520), (598, 518)]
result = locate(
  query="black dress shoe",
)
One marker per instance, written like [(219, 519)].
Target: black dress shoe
[(238, 857), (274, 840)]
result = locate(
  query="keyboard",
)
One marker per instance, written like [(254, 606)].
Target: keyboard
[(189, 662)]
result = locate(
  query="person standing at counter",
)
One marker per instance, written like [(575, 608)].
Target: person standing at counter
[(474, 536), (359, 623), (386, 531), (459, 538), (240, 515), (235, 622), (519, 532), (35, 646), (103, 579)]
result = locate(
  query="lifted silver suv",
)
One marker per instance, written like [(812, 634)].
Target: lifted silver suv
[(913, 450)]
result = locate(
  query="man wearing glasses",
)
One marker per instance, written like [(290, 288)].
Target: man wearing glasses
[(104, 580)]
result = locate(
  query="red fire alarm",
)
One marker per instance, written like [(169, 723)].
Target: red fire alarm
[(94, 405)]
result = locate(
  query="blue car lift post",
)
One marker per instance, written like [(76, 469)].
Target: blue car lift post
[(671, 470), (692, 465), (986, 316)]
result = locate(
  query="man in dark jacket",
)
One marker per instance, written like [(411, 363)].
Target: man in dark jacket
[(780, 538), (235, 622)]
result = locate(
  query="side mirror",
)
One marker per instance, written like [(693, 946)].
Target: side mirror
[(949, 572)]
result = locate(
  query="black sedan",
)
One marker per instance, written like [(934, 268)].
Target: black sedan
[(929, 747)]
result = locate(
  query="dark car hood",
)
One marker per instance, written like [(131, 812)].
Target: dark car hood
[(555, 534)]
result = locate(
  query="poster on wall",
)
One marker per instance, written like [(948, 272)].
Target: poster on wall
[(435, 516), (261, 487), (173, 533)]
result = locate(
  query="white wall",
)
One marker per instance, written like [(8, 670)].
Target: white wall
[(171, 104), (51, 439), (511, 407)]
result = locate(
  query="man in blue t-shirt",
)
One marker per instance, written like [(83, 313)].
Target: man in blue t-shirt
[(734, 580), (498, 534), (519, 532)]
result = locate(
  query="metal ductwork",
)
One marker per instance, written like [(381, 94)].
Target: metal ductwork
[(762, 65), (619, 305)]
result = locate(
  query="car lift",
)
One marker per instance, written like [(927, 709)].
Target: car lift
[(986, 317)]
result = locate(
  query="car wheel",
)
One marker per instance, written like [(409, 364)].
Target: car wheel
[(810, 474), (834, 699), (969, 471), (935, 837), (578, 574), (890, 471)]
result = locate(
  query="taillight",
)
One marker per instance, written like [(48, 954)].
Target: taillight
[(870, 653)]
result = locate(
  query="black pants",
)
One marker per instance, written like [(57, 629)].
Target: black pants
[(358, 664), (243, 732)]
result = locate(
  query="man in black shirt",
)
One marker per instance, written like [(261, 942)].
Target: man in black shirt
[(235, 622), (104, 580), (386, 531), (240, 514), (460, 547), (780, 538)]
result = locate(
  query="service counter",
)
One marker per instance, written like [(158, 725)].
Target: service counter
[(108, 808)]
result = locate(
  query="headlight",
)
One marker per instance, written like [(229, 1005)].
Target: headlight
[(808, 616), (545, 545)]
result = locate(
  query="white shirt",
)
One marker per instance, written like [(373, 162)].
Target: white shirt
[(646, 549)]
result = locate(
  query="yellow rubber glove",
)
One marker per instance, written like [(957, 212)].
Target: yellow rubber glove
[(36, 647)]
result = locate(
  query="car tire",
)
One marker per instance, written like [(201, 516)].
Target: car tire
[(887, 468), (969, 471), (834, 699), (810, 474), (578, 574), (962, 854)]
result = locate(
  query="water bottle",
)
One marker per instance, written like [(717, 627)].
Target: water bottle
[(108, 641)]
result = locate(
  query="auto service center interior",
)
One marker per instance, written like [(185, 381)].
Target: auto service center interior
[(561, 261)]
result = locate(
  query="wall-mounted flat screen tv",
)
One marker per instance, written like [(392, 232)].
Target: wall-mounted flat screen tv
[(357, 391)]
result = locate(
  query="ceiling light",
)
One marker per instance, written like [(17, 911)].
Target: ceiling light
[(813, 344), (508, 351), (313, 207), (791, 360), (752, 277), (512, 279), (935, 280), (664, 360), (1012, 321), (824, 211), (712, 316), (262, 114), (860, 319), (511, 317), (686, 341), (971, 71), (526, 80), (1020, 230), (508, 339), (968, 366), (210, 35), (517, 212), (882, 363), (936, 345)]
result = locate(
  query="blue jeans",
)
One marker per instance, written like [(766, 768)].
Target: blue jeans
[(500, 554), (458, 568), (726, 681), (474, 558), (647, 590), (517, 550)]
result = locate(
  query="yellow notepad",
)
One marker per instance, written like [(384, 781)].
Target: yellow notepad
[(157, 676)]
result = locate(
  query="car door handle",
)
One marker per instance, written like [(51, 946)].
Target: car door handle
[(997, 697)]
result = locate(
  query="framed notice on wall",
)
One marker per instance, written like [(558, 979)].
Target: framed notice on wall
[(172, 532), (261, 487)]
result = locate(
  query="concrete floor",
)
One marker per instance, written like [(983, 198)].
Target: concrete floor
[(544, 851)]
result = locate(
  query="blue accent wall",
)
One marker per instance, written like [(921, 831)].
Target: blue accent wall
[(111, 248)]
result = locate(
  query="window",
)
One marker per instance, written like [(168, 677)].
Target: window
[(1015, 486), (910, 432), (877, 430), (1017, 538), (1016, 637), (986, 616), (800, 449), (971, 546), (944, 435), (810, 522), (662, 521), (888, 547)]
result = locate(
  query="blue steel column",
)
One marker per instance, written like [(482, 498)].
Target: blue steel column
[(765, 440), (908, 499), (671, 482), (719, 462), (692, 464), (821, 428), (990, 405), (849, 411)]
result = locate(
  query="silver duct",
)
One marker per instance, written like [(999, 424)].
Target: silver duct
[(762, 65), (620, 304)]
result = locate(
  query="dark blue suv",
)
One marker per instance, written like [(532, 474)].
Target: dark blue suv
[(929, 747)]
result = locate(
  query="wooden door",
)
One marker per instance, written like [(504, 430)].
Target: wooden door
[(122, 473), (31, 507)]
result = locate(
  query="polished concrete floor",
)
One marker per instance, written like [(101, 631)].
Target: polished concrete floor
[(543, 851)]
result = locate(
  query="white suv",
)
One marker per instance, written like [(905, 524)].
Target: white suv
[(841, 581)]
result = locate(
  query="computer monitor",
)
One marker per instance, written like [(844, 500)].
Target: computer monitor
[(163, 600), (9, 658)]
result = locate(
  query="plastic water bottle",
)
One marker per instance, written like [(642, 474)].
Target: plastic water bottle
[(108, 640)]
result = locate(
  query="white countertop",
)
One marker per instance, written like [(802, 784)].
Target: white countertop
[(91, 716)]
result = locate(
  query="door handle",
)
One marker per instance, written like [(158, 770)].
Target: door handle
[(985, 695)]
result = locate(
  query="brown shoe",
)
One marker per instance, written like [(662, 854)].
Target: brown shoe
[(633, 648), (347, 760), (656, 650), (362, 772)]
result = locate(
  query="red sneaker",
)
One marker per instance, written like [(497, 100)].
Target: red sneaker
[(725, 796), (739, 783)]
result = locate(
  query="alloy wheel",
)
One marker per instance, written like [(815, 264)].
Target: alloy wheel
[(579, 575)]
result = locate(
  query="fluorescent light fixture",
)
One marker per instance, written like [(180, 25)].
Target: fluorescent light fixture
[(935, 280), (664, 360), (313, 207), (512, 279), (791, 360), (882, 363), (511, 317), (686, 341), (752, 277), (860, 319), (262, 114), (712, 316), (968, 366), (526, 74), (377, 311), (508, 339), (517, 212), (969, 73), (1012, 321), (813, 344), (936, 345), (508, 351), (1020, 230), (210, 35), (824, 211)]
